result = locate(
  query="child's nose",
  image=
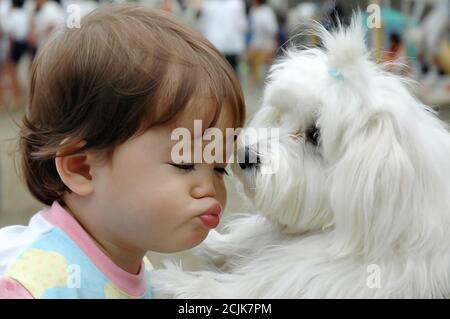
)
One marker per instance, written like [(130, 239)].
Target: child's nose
[(204, 188)]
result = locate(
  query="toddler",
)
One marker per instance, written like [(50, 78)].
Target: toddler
[(96, 147)]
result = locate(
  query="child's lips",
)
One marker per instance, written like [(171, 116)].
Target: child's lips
[(211, 217)]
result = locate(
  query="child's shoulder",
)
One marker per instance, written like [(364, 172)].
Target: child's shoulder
[(53, 258), (41, 258), (17, 256), (14, 240)]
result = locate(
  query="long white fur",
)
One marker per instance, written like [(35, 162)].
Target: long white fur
[(375, 191)]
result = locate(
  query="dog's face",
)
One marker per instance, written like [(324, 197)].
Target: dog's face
[(354, 149), (282, 163)]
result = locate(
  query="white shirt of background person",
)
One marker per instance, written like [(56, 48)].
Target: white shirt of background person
[(50, 16), (264, 26), (5, 7), (223, 23), (17, 25)]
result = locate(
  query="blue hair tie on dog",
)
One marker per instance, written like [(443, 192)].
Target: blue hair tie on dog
[(335, 74)]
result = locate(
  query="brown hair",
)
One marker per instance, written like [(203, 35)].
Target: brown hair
[(126, 69)]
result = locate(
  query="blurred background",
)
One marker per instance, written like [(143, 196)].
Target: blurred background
[(249, 33)]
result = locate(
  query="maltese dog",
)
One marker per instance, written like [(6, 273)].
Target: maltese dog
[(353, 193)]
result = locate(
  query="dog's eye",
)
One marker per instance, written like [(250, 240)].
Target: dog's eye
[(312, 135)]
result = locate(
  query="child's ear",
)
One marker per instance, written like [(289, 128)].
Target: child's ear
[(75, 172)]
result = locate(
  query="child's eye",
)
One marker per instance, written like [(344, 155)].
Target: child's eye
[(184, 167), (221, 170)]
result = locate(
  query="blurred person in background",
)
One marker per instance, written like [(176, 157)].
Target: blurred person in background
[(264, 39), (434, 28), (5, 7), (16, 28), (48, 15), (281, 9), (396, 54), (224, 23)]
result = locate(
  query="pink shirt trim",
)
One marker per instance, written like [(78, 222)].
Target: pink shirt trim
[(12, 289), (131, 284)]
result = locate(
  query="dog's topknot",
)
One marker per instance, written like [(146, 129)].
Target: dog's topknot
[(345, 48)]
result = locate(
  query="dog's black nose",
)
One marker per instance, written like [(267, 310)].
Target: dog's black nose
[(251, 159)]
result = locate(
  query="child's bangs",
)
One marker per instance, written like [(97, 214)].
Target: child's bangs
[(222, 88)]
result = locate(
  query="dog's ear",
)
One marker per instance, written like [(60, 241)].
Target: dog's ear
[(371, 185)]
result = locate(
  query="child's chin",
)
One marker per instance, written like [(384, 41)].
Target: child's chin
[(196, 238)]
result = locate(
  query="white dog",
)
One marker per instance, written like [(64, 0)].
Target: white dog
[(359, 206)]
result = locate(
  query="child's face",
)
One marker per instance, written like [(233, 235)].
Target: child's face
[(144, 201)]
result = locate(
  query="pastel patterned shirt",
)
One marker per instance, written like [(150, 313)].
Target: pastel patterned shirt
[(54, 257)]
